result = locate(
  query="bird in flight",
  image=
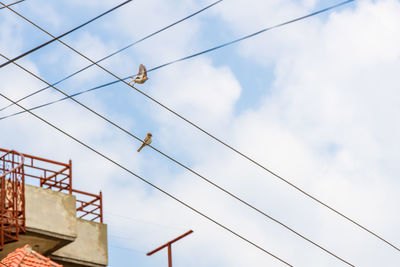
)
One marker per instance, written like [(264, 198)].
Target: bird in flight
[(141, 77), (147, 141)]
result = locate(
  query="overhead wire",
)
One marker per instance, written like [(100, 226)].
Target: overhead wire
[(130, 249), (118, 51), (52, 102), (17, 2), (253, 34), (148, 183), (187, 57), (60, 36), (187, 168), (132, 219), (217, 139)]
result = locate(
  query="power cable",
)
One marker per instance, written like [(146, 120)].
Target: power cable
[(190, 170), (253, 34), (17, 2), (147, 182), (130, 249), (52, 102), (118, 51), (181, 59), (60, 36), (147, 222), (217, 139)]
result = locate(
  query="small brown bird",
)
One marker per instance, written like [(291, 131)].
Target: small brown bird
[(141, 77), (146, 141)]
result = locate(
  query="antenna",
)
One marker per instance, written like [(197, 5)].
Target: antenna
[(169, 247)]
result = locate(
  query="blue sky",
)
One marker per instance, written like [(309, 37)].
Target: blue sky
[(315, 101)]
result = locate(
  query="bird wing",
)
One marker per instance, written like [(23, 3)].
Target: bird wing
[(147, 140), (142, 70)]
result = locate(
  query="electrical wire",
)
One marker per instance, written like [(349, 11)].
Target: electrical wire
[(187, 57), (60, 36), (17, 2), (217, 139), (190, 170), (147, 182), (147, 222), (130, 249), (254, 34), (118, 51), (55, 101)]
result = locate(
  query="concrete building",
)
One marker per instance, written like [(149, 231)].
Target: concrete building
[(56, 220)]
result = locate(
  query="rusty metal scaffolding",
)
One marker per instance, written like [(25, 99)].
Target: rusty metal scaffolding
[(92, 208), (57, 176), (12, 197)]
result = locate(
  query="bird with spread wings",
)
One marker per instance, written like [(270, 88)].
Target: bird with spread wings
[(141, 77)]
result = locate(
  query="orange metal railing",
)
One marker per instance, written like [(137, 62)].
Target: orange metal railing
[(57, 176), (12, 197), (91, 208)]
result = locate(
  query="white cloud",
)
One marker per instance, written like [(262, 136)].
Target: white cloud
[(328, 125)]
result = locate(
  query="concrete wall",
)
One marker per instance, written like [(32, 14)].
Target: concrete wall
[(54, 231), (50, 212), (50, 221), (89, 248)]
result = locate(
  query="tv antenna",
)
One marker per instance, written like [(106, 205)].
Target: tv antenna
[(169, 247)]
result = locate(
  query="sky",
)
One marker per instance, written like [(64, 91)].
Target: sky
[(315, 101)]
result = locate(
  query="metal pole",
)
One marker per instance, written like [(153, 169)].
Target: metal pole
[(169, 247), (101, 207), (70, 177), (169, 256)]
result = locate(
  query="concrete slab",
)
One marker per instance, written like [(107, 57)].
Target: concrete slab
[(89, 248), (50, 212), (50, 221)]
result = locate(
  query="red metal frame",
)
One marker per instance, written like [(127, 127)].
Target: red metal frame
[(57, 176), (96, 203), (168, 245), (12, 197)]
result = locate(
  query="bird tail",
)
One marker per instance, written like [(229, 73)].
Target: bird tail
[(140, 148)]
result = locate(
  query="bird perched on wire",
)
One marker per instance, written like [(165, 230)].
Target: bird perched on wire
[(146, 141), (141, 77)]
